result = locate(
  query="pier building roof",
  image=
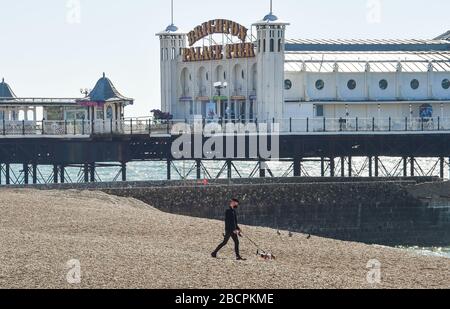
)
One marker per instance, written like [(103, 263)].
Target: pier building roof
[(6, 91), (105, 91)]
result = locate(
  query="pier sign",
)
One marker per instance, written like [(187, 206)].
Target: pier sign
[(218, 52)]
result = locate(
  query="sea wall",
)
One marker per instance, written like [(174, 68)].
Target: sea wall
[(376, 212)]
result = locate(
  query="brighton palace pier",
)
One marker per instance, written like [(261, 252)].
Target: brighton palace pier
[(333, 100)]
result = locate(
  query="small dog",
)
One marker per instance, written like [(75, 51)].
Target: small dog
[(267, 256)]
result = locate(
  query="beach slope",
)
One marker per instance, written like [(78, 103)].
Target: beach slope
[(124, 243)]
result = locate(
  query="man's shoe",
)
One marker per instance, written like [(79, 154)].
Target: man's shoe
[(240, 258), (214, 255)]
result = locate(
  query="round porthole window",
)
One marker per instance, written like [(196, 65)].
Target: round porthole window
[(384, 84), (446, 84), (415, 84), (351, 84), (320, 84), (287, 84)]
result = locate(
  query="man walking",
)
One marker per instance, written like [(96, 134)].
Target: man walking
[(232, 230)]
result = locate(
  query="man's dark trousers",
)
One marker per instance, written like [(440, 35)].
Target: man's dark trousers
[(235, 238)]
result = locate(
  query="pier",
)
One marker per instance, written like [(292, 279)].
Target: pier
[(331, 144)]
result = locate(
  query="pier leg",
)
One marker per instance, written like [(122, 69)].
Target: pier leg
[(441, 167), (55, 173), (92, 172), (297, 167), (342, 167), (34, 173), (198, 167), (332, 167), (124, 171), (370, 167), (63, 173), (350, 172), (322, 167), (25, 173), (377, 166), (405, 167), (413, 166), (7, 173), (229, 170), (169, 169), (262, 169), (86, 172)]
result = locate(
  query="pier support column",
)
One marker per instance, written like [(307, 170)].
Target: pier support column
[(7, 173), (413, 160), (441, 167), (262, 169), (229, 169), (332, 167), (405, 167), (92, 172), (55, 173), (342, 167), (322, 167), (350, 172), (63, 173), (297, 167), (124, 171), (198, 167), (370, 167), (25, 174), (34, 173), (377, 165), (86, 172), (169, 170)]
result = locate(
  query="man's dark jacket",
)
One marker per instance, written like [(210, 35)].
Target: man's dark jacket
[(231, 223)]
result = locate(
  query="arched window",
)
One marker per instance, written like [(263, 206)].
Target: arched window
[(264, 45), (279, 45), (173, 53), (259, 45), (272, 45)]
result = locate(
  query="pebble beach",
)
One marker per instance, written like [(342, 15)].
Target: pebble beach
[(124, 243)]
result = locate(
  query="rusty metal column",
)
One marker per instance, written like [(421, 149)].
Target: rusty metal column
[(322, 167), (413, 166), (442, 167), (370, 167)]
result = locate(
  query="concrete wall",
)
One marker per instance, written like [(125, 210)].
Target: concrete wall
[(372, 212)]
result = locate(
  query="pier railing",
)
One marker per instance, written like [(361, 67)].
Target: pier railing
[(134, 126)]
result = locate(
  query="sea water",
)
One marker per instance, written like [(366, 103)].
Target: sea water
[(148, 171)]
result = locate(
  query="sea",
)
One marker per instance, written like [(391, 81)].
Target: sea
[(148, 171)]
